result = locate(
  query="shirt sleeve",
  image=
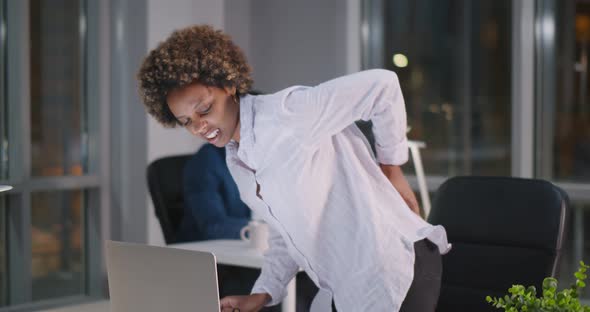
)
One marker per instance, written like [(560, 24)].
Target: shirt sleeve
[(317, 113), (207, 208), (278, 270)]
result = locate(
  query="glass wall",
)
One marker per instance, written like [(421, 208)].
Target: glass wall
[(3, 103), (56, 88), (456, 60), (57, 244), (576, 246), (48, 245), (3, 159), (3, 253), (563, 116), (453, 59), (57, 119), (570, 159)]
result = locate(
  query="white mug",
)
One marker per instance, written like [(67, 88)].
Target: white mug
[(256, 232), (4, 188)]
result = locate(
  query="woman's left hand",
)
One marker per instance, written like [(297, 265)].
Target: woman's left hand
[(249, 303), (395, 175)]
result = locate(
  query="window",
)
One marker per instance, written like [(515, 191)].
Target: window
[(57, 244), (576, 246), (3, 159), (563, 115), (57, 88), (3, 255), (49, 223), (57, 128), (3, 107), (453, 60), (564, 106)]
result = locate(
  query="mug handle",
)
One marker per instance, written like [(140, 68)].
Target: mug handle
[(243, 233)]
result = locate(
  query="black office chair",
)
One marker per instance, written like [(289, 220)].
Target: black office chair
[(504, 231), (165, 178)]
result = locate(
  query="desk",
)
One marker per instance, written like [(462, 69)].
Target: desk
[(238, 253)]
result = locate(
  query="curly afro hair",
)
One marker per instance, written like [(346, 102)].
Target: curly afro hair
[(193, 54)]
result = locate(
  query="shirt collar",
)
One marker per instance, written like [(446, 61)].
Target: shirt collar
[(247, 140)]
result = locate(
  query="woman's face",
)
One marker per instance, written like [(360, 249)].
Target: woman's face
[(208, 112)]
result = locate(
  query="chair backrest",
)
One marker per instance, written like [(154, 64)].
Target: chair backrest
[(504, 231), (165, 183)]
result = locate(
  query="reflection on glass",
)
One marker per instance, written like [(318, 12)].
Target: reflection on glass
[(3, 248), (571, 148), (576, 246), (3, 99), (57, 263), (56, 88), (457, 82)]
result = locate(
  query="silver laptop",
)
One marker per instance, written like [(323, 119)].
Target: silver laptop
[(146, 278)]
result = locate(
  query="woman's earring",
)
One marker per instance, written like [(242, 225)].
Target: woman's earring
[(235, 97)]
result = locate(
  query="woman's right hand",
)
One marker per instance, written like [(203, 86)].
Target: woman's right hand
[(250, 303)]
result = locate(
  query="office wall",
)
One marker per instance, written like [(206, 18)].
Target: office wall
[(237, 23), (163, 18), (303, 42), (286, 42)]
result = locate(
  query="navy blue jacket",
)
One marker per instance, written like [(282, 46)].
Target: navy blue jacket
[(212, 205)]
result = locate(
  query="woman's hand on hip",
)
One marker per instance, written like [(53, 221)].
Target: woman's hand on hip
[(395, 175)]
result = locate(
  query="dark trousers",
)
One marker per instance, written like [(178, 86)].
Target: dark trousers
[(425, 288)]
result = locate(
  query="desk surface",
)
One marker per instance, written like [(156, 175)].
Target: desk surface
[(239, 253), (231, 252), (228, 251), (98, 306)]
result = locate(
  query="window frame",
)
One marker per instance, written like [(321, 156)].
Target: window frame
[(92, 183)]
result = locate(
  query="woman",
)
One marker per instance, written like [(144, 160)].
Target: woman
[(349, 220)]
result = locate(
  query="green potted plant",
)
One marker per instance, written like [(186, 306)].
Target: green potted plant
[(526, 300)]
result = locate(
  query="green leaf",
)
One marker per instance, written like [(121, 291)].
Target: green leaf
[(551, 300), (550, 283), (580, 275)]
